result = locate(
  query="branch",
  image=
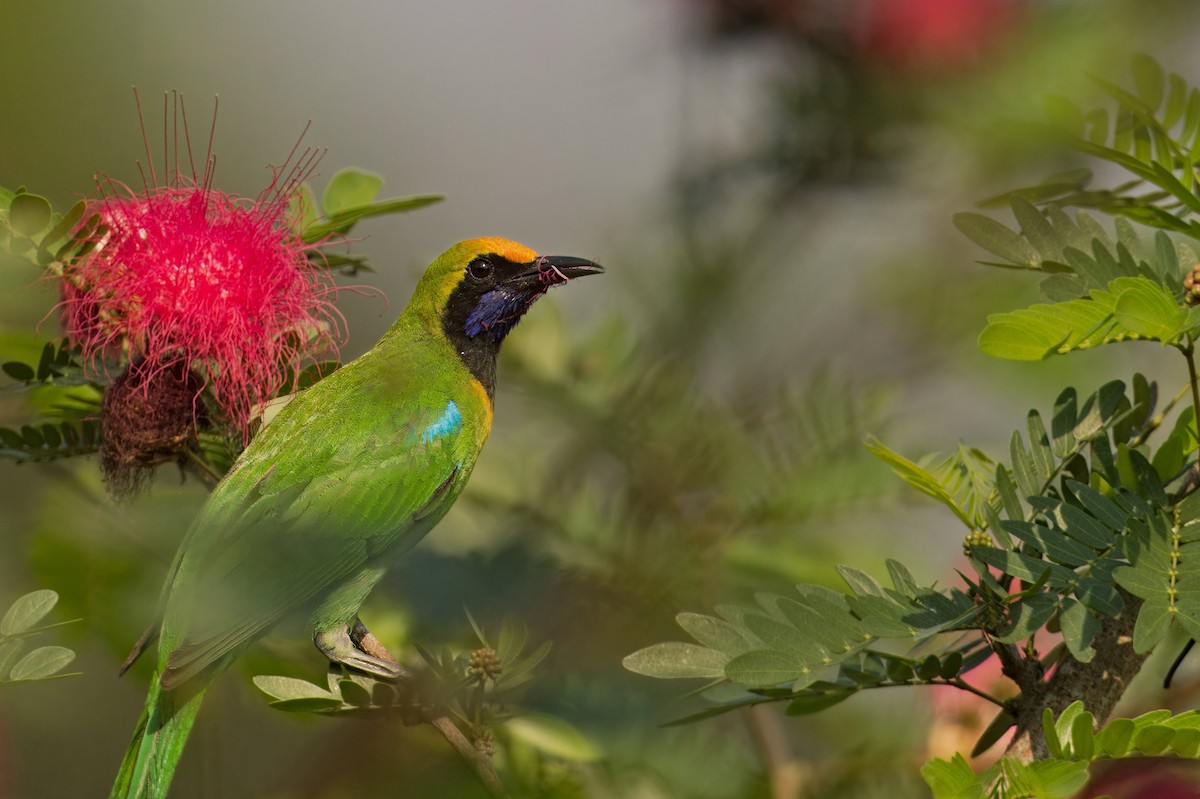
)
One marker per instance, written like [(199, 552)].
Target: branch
[(1099, 684), (439, 718), (476, 759), (787, 775)]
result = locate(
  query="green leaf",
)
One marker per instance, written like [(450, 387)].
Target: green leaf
[(62, 229), (997, 239), (782, 637), (808, 703), (674, 660), (1083, 740), (1153, 623), (1058, 779), (9, 650), (1149, 81), (1079, 628), (1116, 738), (929, 668), (27, 611), (1147, 309), (1051, 542), (861, 583), (289, 688), (764, 668), (302, 208), (899, 671), (513, 635), (29, 214), (823, 617), (718, 634), (343, 221), (349, 188), (1037, 230), (1153, 739), (1186, 743), (41, 663), (1050, 731), (951, 665), (1037, 332), (1006, 490), (1024, 566), (1064, 113), (19, 371), (952, 779), (921, 479), (307, 704), (1028, 616), (1100, 596), (902, 579), (994, 732), (353, 693), (554, 737), (519, 671)]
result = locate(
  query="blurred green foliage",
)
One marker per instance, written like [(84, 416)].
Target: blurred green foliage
[(699, 442), (1090, 524)]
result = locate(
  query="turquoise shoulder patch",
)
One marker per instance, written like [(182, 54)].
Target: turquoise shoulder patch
[(449, 422)]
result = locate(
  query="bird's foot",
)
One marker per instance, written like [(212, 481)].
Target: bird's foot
[(365, 642), (342, 646)]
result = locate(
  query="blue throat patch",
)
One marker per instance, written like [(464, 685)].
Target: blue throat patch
[(449, 422), (497, 312)]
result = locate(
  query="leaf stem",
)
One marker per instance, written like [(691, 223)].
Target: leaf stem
[(1160, 417), (1188, 352), (202, 465), (963, 685)]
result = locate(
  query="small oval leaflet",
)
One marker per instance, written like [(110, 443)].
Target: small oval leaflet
[(27, 611), (41, 663)]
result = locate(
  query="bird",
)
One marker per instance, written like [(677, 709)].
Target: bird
[(349, 475)]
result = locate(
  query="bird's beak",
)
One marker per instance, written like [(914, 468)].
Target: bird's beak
[(553, 270)]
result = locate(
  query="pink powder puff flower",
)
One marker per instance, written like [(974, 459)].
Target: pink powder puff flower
[(188, 274), (205, 289)]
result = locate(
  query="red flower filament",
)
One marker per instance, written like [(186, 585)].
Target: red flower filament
[(188, 274)]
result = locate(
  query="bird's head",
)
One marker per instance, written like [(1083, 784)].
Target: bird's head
[(480, 288)]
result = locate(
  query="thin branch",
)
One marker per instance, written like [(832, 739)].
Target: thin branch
[(1160, 417), (1027, 674), (1188, 353), (962, 685), (203, 466), (478, 760), (439, 718), (786, 774)]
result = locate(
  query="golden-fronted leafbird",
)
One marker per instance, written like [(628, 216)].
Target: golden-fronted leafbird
[(349, 475)]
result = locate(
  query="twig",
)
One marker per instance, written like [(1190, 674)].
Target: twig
[(440, 720), (787, 774), (476, 759)]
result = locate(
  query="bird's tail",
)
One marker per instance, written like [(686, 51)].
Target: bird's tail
[(157, 742)]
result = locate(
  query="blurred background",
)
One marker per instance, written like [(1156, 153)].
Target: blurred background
[(770, 185)]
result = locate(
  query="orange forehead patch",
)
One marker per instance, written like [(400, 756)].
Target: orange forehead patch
[(510, 250)]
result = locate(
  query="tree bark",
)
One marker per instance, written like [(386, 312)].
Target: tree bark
[(1100, 684)]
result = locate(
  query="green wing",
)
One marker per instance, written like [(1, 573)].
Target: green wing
[(324, 493)]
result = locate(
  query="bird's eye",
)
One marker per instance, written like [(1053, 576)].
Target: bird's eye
[(480, 268)]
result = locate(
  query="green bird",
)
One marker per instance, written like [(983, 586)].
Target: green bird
[(349, 475)]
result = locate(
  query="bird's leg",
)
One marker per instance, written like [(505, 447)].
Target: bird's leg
[(338, 645)]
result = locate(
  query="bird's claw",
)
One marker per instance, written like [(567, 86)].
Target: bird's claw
[(360, 650)]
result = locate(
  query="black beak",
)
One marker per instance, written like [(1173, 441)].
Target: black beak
[(553, 270)]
